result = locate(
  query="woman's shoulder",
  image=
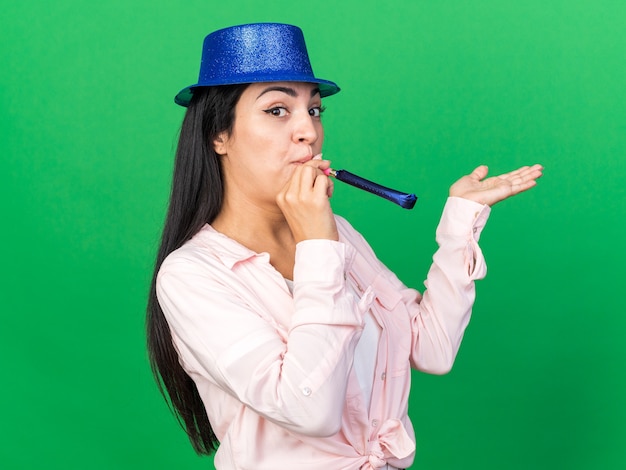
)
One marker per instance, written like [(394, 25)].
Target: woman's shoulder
[(207, 249)]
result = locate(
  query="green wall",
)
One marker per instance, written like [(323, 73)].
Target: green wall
[(431, 89)]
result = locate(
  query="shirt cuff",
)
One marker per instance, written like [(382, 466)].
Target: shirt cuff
[(324, 261), (320, 294), (461, 214)]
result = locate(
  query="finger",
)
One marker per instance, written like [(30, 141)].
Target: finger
[(308, 183), (535, 171), (321, 186), (318, 163), (531, 170), (331, 187), (524, 171), (523, 186), (529, 174), (302, 177), (527, 179), (513, 173), (479, 172)]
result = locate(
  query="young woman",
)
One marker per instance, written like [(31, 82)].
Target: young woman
[(279, 337)]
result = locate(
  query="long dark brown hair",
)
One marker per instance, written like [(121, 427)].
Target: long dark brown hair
[(196, 198)]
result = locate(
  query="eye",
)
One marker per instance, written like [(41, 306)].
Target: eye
[(277, 111), (316, 111)]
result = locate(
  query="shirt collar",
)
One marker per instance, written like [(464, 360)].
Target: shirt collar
[(227, 250)]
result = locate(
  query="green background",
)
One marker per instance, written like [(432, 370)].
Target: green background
[(431, 89)]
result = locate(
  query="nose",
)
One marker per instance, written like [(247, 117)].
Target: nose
[(306, 129)]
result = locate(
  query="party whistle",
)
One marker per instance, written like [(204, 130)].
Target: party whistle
[(405, 200)]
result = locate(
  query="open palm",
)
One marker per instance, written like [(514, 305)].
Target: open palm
[(477, 187)]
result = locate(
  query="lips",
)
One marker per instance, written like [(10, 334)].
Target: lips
[(304, 159), (308, 158)]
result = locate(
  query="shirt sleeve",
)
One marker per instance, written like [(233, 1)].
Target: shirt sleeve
[(294, 381), (440, 317)]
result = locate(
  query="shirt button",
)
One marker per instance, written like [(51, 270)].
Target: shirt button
[(375, 422), (383, 376), (306, 391)]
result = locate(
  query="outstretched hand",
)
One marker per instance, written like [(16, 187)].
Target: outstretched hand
[(497, 188)]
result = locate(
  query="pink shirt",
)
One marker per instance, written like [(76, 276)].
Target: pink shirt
[(274, 369)]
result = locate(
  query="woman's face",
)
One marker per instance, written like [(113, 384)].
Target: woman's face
[(277, 126)]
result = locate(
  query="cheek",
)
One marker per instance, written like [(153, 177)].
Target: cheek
[(320, 135)]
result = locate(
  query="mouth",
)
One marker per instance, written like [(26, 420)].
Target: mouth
[(308, 158), (303, 160)]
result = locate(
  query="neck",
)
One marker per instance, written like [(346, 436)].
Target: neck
[(261, 229)]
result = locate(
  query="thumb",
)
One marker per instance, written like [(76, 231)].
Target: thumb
[(480, 172)]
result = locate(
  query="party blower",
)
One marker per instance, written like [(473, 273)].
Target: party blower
[(405, 200)]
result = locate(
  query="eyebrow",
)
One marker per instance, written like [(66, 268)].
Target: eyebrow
[(289, 91)]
